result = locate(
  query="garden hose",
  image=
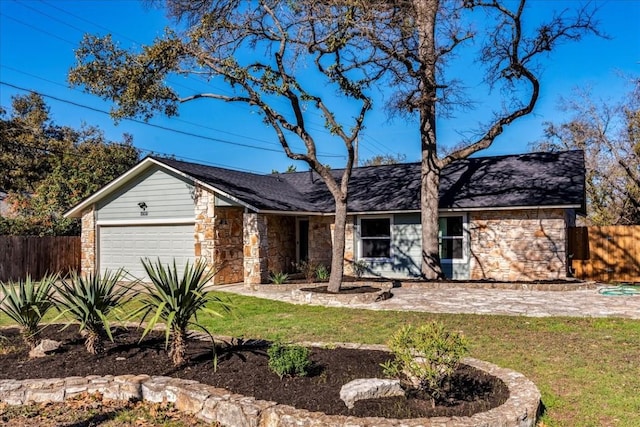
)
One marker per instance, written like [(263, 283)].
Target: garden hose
[(621, 290)]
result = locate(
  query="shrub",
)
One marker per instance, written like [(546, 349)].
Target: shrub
[(426, 356), (278, 278), (26, 302), (89, 300), (290, 360), (359, 268), (307, 268), (322, 273), (176, 300)]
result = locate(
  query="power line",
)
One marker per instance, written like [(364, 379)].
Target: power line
[(315, 127), (181, 132), (175, 119)]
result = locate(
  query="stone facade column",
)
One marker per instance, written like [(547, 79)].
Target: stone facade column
[(204, 228), (320, 239), (349, 246), (88, 262), (256, 249), (218, 237)]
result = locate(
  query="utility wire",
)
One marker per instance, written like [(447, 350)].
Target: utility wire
[(175, 118), (321, 129), (181, 132)]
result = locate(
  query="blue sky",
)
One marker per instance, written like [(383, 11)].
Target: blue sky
[(38, 37)]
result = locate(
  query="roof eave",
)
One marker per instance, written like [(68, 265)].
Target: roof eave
[(76, 211)]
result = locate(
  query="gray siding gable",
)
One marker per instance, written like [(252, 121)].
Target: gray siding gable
[(166, 194)]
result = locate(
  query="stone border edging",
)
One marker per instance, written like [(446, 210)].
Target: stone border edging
[(566, 286), (214, 404), (304, 295)]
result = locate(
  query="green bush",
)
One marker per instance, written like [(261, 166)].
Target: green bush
[(176, 299), (426, 356), (26, 302), (307, 268), (290, 360), (322, 273), (278, 278), (360, 267), (90, 300)]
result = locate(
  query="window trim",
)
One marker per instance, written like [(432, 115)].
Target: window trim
[(360, 238), (465, 238)]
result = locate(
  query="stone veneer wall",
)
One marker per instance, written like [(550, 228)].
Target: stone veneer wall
[(228, 244), (218, 237), (320, 231), (256, 249), (88, 242), (349, 245), (518, 244), (281, 236)]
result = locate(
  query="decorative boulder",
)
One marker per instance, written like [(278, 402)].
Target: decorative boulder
[(369, 388), (44, 347)]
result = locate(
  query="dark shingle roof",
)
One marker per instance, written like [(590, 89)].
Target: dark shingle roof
[(534, 179)]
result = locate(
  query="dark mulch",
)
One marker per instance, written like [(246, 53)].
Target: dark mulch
[(243, 369)]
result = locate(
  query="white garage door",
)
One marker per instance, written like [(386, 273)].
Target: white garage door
[(125, 246)]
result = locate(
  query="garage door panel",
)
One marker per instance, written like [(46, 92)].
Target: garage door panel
[(125, 246)]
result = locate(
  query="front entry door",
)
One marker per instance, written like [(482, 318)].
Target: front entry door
[(302, 240)]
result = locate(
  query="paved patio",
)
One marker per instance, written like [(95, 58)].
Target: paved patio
[(532, 303)]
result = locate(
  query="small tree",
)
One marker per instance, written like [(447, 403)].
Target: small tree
[(89, 301), (426, 356), (26, 303), (176, 299)]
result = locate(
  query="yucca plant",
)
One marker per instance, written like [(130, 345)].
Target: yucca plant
[(90, 300), (26, 302), (176, 299)]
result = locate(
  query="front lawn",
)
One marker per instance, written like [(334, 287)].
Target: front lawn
[(588, 370)]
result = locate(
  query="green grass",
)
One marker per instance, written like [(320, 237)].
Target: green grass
[(588, 370)]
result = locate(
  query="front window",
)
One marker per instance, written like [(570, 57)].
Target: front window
[(375, 235), (451, 237)]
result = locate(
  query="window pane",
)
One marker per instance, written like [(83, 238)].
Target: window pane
[(450, 226), (376, 248), (375, 227), (451, 249)]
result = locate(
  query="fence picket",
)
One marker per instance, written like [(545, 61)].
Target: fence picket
[(36, 256), (606, 253)]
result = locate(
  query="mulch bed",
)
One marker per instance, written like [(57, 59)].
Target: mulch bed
[(242, 369)]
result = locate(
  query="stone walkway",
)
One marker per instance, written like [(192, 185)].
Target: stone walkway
[(532, 303)]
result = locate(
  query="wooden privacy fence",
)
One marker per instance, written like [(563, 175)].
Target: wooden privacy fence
[(36, 256), (606, 254)]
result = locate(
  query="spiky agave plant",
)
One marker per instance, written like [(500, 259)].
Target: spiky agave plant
[(90, 300), (176, 299), (26, 302)]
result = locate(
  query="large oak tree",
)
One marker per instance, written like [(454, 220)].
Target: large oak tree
[(264, 48), (47, 168), (608, 132)]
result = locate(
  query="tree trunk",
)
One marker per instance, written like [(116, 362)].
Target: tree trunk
[(31, 337), (431, 268), (425, 12), (178, 346), (94, 341), (337, 253)]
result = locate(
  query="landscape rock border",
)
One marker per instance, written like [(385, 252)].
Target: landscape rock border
[(307, 296), (219, 405)]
